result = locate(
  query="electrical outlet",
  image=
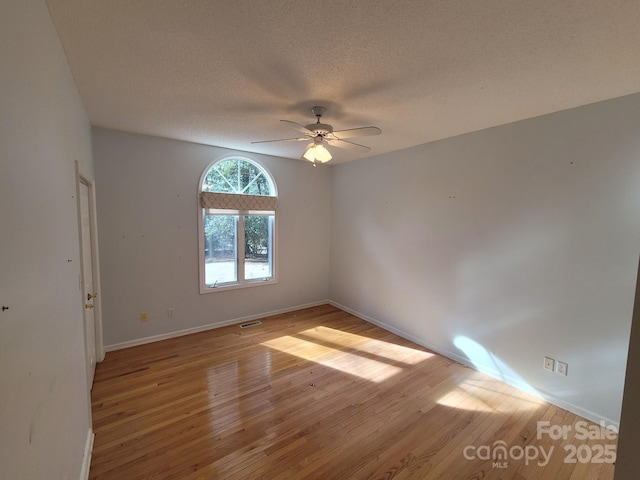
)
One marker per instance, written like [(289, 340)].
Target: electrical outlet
[(549, 364), (144, 317), (170, 312), (562, 368)]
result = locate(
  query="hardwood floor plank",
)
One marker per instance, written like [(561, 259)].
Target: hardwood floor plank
[(313, 394)]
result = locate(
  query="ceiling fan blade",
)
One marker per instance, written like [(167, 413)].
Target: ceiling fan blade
[(336, 142), (282, 140), (358, 132), (300, 128)]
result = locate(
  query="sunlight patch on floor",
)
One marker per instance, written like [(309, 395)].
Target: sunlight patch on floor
[(481, 394), (351, 363), (390, 351)]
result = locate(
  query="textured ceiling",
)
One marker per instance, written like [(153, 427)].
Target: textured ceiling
[(224, 72)]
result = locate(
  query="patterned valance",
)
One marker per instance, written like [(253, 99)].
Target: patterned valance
[(234, 201)]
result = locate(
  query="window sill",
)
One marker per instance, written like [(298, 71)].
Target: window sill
[(236, 286)]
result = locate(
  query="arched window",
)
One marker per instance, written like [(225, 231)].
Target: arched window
[(238, 203)]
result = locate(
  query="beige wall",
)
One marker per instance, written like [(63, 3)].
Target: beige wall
[(44, 405), (147, 196), (503, 246)]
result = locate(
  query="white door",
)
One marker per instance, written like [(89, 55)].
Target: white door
[(88, 292)]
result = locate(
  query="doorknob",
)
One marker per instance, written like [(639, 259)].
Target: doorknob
[(88, 306), (91, 295)]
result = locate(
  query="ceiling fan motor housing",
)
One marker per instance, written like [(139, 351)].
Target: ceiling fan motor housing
[(320, 128)]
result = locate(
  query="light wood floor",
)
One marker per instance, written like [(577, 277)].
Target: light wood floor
[(318, 394)]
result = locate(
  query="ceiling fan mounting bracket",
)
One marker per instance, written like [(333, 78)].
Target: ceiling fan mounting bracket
[(318, 111)]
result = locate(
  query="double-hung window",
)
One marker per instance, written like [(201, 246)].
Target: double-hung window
[(238, 204)]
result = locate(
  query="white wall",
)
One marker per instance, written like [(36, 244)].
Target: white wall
[(147, 220), (504, 245), (44, 405)]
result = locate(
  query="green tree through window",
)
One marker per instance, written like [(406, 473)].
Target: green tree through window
[(237, 175)]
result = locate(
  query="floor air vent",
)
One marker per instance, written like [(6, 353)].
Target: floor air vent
[(250, 324)]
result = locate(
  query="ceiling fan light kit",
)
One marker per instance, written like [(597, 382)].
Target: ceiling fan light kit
[(316, 151)]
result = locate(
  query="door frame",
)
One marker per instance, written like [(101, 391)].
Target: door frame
[(95, 264)]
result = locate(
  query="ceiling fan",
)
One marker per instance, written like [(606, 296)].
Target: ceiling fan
[(321, 133)]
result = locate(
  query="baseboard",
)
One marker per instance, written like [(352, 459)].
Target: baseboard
[(86, 458), (546, 396), (211, 326)]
